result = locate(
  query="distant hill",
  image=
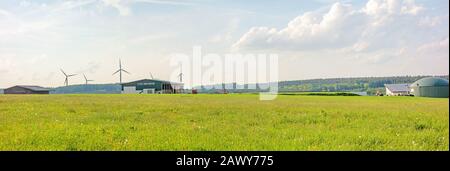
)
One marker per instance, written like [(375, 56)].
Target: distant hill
[(88, 89), (357, 84), (368, 84)]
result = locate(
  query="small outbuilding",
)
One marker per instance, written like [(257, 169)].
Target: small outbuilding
[(26, 90), (430, 87), (397, 89)]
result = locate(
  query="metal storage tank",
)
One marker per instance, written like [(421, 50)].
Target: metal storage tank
[(430, 87)]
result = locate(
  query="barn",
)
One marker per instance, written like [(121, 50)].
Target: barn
[(26, 90), (397, 89), (152, 86), (430, 87)]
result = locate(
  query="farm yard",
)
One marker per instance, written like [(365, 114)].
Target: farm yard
[(222, 122)]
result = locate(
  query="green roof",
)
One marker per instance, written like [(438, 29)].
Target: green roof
[(151, 80), (430, 81)]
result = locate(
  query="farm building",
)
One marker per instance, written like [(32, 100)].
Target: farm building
[(26, 90), (397, 89), (430, 87), (152, 86), (1, 91)]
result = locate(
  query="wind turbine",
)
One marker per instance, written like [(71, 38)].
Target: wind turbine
[(66, 81), (151, 75), (120, 71), (181, 74), (87, 81)]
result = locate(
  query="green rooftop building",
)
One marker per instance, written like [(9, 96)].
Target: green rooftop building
[(152, 86), (430, 87)]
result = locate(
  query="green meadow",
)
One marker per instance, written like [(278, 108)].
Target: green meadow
[(222, 122)]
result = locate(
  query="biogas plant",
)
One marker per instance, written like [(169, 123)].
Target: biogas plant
[(425, 87), (430, 87)]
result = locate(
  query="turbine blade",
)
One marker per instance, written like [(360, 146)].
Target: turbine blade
[(71, 75), (125, 71), (63, 72), (84, 77), (116, 72)]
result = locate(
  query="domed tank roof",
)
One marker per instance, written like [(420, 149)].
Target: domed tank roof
[(430, 81)]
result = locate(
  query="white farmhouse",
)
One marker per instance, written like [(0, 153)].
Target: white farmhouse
[(397, 89)]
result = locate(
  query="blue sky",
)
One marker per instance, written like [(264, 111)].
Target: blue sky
[(314, 39)]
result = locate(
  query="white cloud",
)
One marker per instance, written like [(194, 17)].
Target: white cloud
[(379, 24), (165, 2), (12, 27), (378, 38), (8, 67), (120, 5), (383, 37), (308, 31), (435, 46), (4, 13), (390, 7), (43, 58), (67, 5), (432, 21), (91, 68), (123, 6), (6, 63), (227, 34)]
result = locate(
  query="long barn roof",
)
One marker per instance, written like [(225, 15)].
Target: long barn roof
[(33, 88), (397, 87)]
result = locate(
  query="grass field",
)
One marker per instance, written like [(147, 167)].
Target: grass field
[(222, 122)]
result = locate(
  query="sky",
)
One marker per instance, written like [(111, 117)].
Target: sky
[(313, 39)]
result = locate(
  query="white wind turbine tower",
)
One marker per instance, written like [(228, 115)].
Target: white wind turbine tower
[(66, 81), (120, 71), (181, 75)]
